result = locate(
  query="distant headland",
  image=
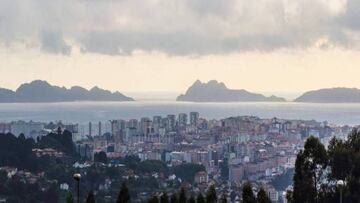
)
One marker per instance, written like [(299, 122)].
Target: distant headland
[(215, 91), (331, 95), (42, 91)]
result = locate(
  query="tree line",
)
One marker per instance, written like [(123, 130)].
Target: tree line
[(318, 171), (17, 151), (248, 196)]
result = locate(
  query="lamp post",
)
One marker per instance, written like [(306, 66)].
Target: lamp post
[(77, 177), (284, 196), (340, 184)]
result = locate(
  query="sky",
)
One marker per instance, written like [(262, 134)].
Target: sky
[(281, 46)]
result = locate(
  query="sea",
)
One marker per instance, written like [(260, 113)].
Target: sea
[(84, 112)]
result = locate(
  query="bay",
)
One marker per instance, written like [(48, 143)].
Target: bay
[(83, 112)]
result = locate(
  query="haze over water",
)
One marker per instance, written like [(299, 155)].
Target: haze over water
[(82, 112)]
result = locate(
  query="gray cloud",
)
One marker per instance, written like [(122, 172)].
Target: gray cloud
[(188, 27), (53, 42)]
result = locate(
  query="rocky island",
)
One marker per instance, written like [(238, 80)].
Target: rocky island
[(215, 91), (42, 91)]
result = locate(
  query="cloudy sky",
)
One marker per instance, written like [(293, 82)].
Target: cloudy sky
[(165, 45)]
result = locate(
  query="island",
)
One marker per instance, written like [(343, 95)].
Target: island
[(331, 95), (214, 91), (42, 91)]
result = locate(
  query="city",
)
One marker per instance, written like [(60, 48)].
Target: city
[(225, 152), (179, 101)]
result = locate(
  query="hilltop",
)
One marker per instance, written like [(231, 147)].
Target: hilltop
[(331, 95), (214, 91), (42, 91)]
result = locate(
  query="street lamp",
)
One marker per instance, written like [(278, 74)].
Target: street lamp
[(340, 184), (284, 196), (77, 177)]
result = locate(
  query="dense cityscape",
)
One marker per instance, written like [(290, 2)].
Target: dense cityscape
[(164, 153), (179, 101)]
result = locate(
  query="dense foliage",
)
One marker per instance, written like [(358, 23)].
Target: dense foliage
[(59, 141), (248, 194), (100, 157), (187, 171), (318, 170), (17, 151)]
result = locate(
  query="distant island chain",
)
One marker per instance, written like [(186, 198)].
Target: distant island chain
[(212, 91)]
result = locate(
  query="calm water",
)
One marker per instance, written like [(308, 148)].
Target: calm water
[(83, 112)]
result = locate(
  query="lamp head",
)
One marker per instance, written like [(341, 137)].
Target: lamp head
[(340, 183), (77, 176)]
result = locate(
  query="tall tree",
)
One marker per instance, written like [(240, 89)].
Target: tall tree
[(69, 198), (154, 199), (174, 198), (262, 197), (211, 196), (90, 198), (164, 198), (100, 157), (51, 194), (123, 196), (289, 196), (182, 195), (200, 198), (309, 167), (247, 193), (316, 159), (344, 162), (303, 183), (223, 198), (192, 199)]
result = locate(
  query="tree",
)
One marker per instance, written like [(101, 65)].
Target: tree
[(123, 196), (262, 197), (132, 161), (223, 198), (200, 198), (211, 196), (224, 169), (340, 159), (69, 198), (317, 171), (289, 196), (192, 199), (17, 152), (303, 182), (182, 196), (164, 198), (154, 199), (174, 198), (90, 198), (309, 167), (149, 166), (187, 171), (51, 194), (62, 142), (247, 193), (344, 162), (316, 159), (100, 157), (3, 176)]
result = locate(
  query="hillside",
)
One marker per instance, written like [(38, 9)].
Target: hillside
[(215, 91), (331, 95), (42, 91)]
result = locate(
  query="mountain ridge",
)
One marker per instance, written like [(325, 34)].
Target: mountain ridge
[(214, 91), (331, 95), (42, 91)]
